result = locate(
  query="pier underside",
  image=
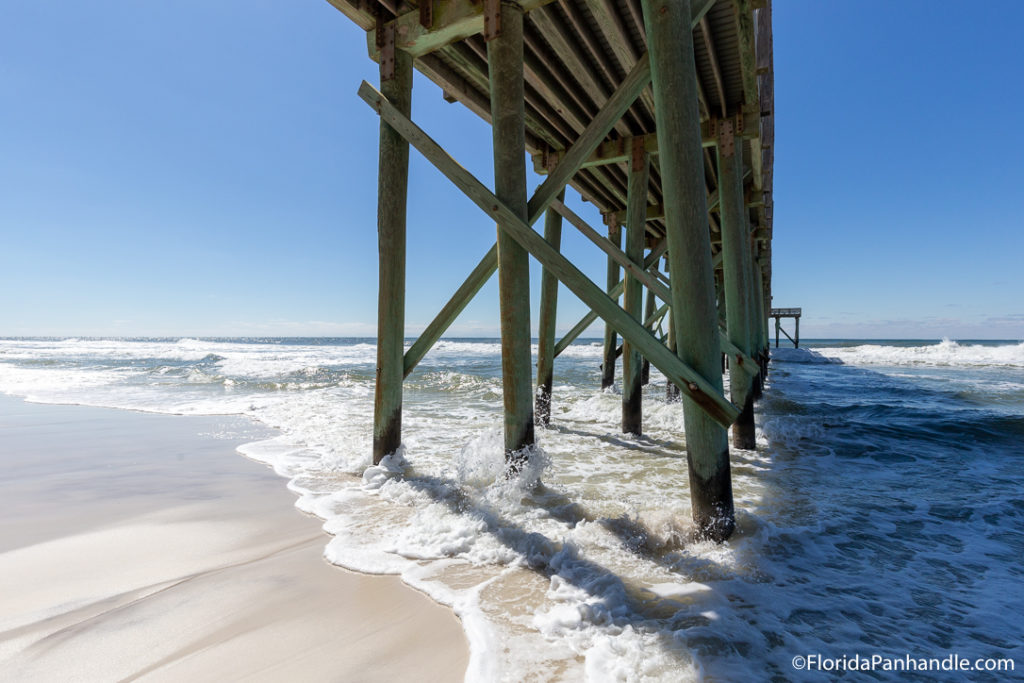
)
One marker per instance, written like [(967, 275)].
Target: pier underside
[(659, 112)]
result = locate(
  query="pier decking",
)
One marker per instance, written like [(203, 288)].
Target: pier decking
[(660, 113)]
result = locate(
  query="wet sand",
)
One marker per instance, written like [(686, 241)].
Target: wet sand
[(137, 545)]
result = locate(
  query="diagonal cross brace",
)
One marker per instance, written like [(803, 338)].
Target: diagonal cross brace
[(648, 279), (585, 144), (691, 383), (588, 319)]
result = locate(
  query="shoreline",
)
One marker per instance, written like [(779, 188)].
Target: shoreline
[(141, 544)]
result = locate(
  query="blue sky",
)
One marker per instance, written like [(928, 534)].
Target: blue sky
[(206, 168)]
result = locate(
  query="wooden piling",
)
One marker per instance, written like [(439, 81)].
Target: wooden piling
[(392, 185), (636, 218), (505, 59), (671, 390), (737, 275), (760, 331), (650, 303), (548, 310), (674, 81), (611, 341)]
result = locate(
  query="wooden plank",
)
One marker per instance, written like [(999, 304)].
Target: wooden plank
[(693, 385)]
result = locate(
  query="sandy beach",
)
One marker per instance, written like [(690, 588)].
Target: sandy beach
[(143, 546)]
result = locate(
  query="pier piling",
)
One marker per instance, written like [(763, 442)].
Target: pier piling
[(610, 337), (636, 218), (674, 80), (505, 58), (392, 184), (546, 329), (736, 270)]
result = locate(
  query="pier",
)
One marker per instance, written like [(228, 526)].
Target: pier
[(779, 314), (659, 113)]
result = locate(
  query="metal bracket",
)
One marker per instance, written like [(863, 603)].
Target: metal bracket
[(726, 138), (426, 13), (387, 53), (492, 19)]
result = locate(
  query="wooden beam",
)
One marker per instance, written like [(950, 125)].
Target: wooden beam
[(617, 151), (655, 281), (695, 386), (453, 20), (451, 310), (588, 319)]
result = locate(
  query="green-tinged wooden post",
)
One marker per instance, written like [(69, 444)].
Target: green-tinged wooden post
[(674, 80), (720, 299), (392, 183), (671, 390), (736, 271), (720, 296), (548, 308), (645, 368), (505, 58), (633, 292), (610, 338), (757, 351)]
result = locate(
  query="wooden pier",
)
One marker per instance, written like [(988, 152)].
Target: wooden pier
[(660, 113), (779, 314)]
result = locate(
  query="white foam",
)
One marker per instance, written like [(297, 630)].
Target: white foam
[(588, 575), (943, 354)]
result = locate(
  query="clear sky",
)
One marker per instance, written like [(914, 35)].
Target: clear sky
[(206, 168)]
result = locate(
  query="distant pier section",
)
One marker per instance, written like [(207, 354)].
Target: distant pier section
[(779, 314)]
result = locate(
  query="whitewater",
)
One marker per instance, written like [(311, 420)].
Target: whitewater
[(881, 513)]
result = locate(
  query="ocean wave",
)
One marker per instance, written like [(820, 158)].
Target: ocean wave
[(946, 353)]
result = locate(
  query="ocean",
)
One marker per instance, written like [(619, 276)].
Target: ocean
[(882, 513)]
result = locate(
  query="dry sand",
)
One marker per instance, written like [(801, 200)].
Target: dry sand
[(135, 545)]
